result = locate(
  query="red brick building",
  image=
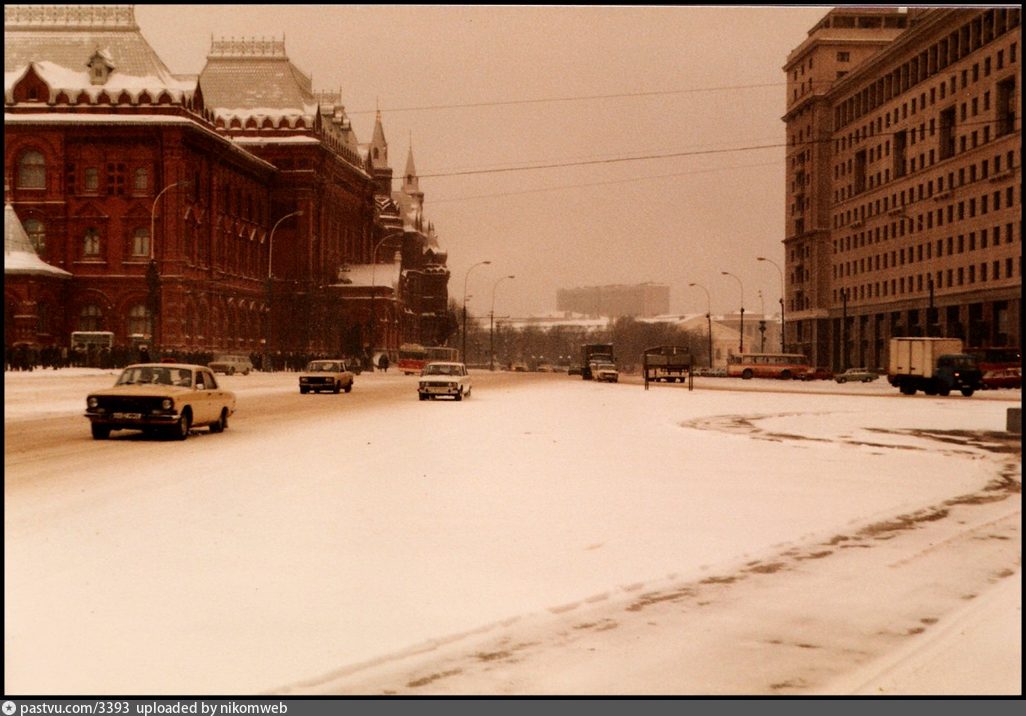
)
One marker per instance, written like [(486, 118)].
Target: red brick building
[(208, 213)]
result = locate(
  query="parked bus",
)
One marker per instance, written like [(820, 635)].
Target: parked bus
[(83, 340), (413, 356), (1001, 367), (768, 365)]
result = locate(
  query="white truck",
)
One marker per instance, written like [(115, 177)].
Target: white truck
[(935, 366)]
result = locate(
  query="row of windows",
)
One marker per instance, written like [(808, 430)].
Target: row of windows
[(1005, 121), (138, 319), (903, 164), (244, 258), (925, 251), (996, 270), (114, 179), (969, 38), (967, 175), (896, 229), (937, 93)]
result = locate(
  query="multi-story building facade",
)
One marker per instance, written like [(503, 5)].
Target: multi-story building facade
[(639, 300), (218, 212), (904, 179)]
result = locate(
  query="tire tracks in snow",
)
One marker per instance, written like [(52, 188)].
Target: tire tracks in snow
[(790, 623)]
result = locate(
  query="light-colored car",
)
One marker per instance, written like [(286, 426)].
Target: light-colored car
[(328, 374), (444, 378), (161, 397), (862, 375), (602, 371), (231, 363)]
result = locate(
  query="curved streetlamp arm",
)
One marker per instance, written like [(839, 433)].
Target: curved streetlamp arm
[(270, 242)]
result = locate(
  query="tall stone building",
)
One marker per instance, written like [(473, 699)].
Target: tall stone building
[(643, 300), (230, 211), (904, 177)]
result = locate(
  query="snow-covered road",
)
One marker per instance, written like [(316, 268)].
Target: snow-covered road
[(352, 543)]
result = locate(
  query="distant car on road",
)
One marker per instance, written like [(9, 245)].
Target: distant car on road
[(606, 372), (330, 374), (167, 397), (820, 373), (862, 375), (444, 378), (231, 363)]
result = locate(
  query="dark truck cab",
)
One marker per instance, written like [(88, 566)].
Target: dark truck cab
[(595, 353)]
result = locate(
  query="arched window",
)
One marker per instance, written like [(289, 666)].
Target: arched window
[(91, 243), (141, 180), (37, 235), (141, 242), (90, 318), (91, 180), (140, 321), (31, 171)]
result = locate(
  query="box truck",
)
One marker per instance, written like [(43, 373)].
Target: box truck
[(935, 366)]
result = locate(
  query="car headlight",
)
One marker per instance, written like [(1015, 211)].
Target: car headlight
[(167, 404), (92, 402)]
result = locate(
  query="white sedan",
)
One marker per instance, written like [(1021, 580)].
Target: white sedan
[(445, 379)]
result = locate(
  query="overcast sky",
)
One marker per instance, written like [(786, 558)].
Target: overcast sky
[(506, 87)]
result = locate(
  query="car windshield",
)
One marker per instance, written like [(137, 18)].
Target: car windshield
[(143, 375), (605, 366), (323, 366), (440, 369), (225, 358)]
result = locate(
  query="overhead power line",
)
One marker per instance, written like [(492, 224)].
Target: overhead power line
[(614, 160), (603, 183), (569, 98)]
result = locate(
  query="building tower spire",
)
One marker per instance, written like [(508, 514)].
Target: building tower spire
[(378, 152), (411, 184)]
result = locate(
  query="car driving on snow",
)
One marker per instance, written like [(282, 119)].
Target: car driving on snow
[(168, 397), (330, 375), (444, 379)]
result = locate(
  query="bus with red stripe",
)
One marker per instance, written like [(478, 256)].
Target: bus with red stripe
[(413, 356), (784, 366)]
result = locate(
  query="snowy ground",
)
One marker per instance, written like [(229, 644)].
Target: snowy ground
[(549, 535)]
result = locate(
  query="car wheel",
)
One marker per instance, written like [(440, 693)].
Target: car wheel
[(348, 387), (231, 371), (222, 423), (907, 390), (944, 391), (785, 375), (337, 387), (180, 430), (459, 395), (422, 396), (747, 374), (967, 392), (100, 432), (303, 390)]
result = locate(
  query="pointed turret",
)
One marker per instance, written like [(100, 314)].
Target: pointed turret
[(411, 184), (378, 153)]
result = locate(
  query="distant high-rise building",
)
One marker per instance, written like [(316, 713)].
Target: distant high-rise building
[(903, 181), (640, 300)]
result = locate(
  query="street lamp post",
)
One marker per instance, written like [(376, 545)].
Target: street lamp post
[(374, 313), (783, 327), (491, 324), (762, 323), (708, 317), (844, 329), (466, 278), (153, 271), (270, 275), (728, 273)]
